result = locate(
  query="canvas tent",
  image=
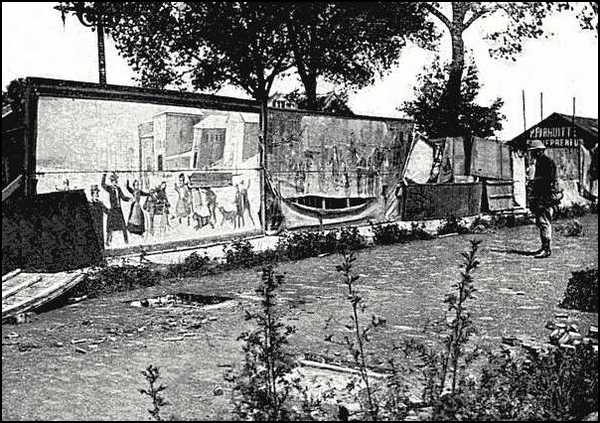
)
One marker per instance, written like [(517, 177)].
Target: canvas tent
[(572, 142)]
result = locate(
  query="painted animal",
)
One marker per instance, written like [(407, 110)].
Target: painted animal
[(229, 216)]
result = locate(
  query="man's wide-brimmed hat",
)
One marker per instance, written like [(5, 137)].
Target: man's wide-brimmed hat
[(536, 145)]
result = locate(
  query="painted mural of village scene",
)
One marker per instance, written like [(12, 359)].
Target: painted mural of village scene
[(152, 174)]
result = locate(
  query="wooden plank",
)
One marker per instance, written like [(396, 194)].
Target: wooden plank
[(10, 275), (11, 188), (24, 284), (44, 295)]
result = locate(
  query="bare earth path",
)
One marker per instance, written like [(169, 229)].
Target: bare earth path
[(45, 377)]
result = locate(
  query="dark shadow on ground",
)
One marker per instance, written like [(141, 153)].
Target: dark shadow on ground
[(513, 251)]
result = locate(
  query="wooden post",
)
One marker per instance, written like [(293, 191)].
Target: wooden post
[(101, 54), (524, 117)]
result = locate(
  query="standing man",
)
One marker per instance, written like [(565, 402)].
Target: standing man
[(545, 195)]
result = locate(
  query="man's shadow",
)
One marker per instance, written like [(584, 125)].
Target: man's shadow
[(514, 251)]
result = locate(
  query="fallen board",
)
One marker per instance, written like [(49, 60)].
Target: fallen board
[(27, 291)]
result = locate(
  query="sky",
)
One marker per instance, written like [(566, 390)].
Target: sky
[(35, 43)]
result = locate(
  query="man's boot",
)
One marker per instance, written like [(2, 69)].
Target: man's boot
[(546, 252)]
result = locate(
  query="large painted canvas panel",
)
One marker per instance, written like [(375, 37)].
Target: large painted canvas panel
[(154, 175), (328, 168)]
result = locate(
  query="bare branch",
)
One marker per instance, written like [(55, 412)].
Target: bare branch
[(434, 11)]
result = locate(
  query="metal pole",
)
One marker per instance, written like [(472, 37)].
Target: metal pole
[(541, 106)]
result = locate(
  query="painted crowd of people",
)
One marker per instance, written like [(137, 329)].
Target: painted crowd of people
[(150, 212)]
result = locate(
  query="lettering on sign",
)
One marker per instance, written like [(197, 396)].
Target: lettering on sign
[(556, 137)]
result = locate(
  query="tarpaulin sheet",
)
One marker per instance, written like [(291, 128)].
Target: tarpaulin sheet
[(49, 233), (419, 163)]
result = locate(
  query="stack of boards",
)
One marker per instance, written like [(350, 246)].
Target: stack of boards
[(23, 291)]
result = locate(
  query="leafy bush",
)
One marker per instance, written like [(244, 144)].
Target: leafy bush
[(390, 233), (556, 385), (264, 386), (582, 291), (300, 245), (152, 375), (242, 254), (111, 279), (452, 225), (575, 210), (572, 229), (350, 238), (386, 234), (193, 264)]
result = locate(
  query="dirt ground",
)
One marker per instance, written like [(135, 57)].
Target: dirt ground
[(45, 376)]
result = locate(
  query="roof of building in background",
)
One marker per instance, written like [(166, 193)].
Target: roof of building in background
[(587, 129), (585, 123)]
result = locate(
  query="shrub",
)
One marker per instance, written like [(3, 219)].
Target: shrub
[(555, 385), (118, 278), (192, 265), (572, 229), (242, 254), (154, 392), (582, 291), (386, 234), (263, 386), (575, 210), (419, 232), (300, 245), (350, 238), (452, 225)]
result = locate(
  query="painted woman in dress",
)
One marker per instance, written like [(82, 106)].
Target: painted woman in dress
[(135, 222), (183, 207)]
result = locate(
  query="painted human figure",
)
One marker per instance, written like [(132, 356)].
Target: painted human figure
[(239, 208), (150, 208), (211, 203), (135, 222), (183, 208), (97, 212), (162, 208), (245, 202), (115, 221)]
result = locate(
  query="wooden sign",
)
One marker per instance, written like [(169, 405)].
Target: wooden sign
[(212, 179)]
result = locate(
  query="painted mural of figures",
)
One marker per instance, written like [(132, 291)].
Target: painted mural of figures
[(115, 222), (183, 208), (135, 221), (161, 208), (243, 203), (309, 175), (97, 212)]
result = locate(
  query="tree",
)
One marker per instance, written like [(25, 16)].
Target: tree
[(521, 21), (331, 102), (350, 43), (434, 118)]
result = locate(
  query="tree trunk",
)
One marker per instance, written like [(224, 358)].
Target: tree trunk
[(262, 156), (452, 94), (310, 89)]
